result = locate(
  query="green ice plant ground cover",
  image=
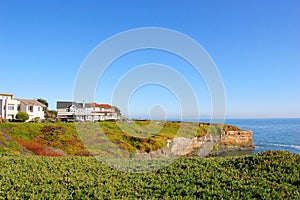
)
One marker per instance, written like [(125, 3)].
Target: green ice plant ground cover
[(267, 175)]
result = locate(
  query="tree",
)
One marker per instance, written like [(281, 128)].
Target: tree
[(22, 116), (43, 101), (51, 114), (118, 111)]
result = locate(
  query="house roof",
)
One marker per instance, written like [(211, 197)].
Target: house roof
[(4, 94), (67, 104), (105, 106), (31, 102), (101, 105)]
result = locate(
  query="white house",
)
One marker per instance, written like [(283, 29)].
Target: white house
[(73, 111), (33, 108), (104, 112), (10, 106)]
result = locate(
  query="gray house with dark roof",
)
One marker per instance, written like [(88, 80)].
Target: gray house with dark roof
[(67, 110), (73, 111)]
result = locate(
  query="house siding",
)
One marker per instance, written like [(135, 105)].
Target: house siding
[(9, 107), (67, 111)]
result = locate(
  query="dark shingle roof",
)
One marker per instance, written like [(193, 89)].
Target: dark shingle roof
[(67, 104)]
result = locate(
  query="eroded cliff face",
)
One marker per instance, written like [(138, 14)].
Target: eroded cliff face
[(240, 139), (183, 146), (206, 146), (233, 141)]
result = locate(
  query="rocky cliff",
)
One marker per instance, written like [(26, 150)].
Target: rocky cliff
[(206, 146), (239, 139), (234, 140)]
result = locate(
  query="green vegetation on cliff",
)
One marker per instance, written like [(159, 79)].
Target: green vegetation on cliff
[(271, 175), (59, 139)]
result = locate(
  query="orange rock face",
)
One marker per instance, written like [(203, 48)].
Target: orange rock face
[(242, 139)]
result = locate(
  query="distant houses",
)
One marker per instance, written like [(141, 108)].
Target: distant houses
[(67, 111), (10, 106), (73, 111)]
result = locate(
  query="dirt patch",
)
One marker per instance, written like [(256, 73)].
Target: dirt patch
[(6, 137), (2, 144)]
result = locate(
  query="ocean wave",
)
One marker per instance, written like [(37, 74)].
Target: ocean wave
[(285, 145)]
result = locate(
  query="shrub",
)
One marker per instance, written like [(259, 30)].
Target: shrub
[(36, 119), (2, 120), (22, 116)]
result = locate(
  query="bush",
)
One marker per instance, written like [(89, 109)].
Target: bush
[(36, 119), (22, 116), (246, 177), (2, 120)]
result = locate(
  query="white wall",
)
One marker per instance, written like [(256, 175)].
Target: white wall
[(11, 108), (37, 111), (4, 98)]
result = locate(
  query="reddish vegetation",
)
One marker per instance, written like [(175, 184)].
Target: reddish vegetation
[(83, 153), (53, 130), (39, 149)]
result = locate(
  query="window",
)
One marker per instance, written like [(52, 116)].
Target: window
[(71, 109), (30, 108), (10, 107), (39, 108)]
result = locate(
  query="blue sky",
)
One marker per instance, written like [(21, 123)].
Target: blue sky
[(255, 45)]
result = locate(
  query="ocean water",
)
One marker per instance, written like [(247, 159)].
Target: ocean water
[(268, 134), (272, 134)]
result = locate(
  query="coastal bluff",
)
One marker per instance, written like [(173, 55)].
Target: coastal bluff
[(205, 146), (143, 138), (237, 140)]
